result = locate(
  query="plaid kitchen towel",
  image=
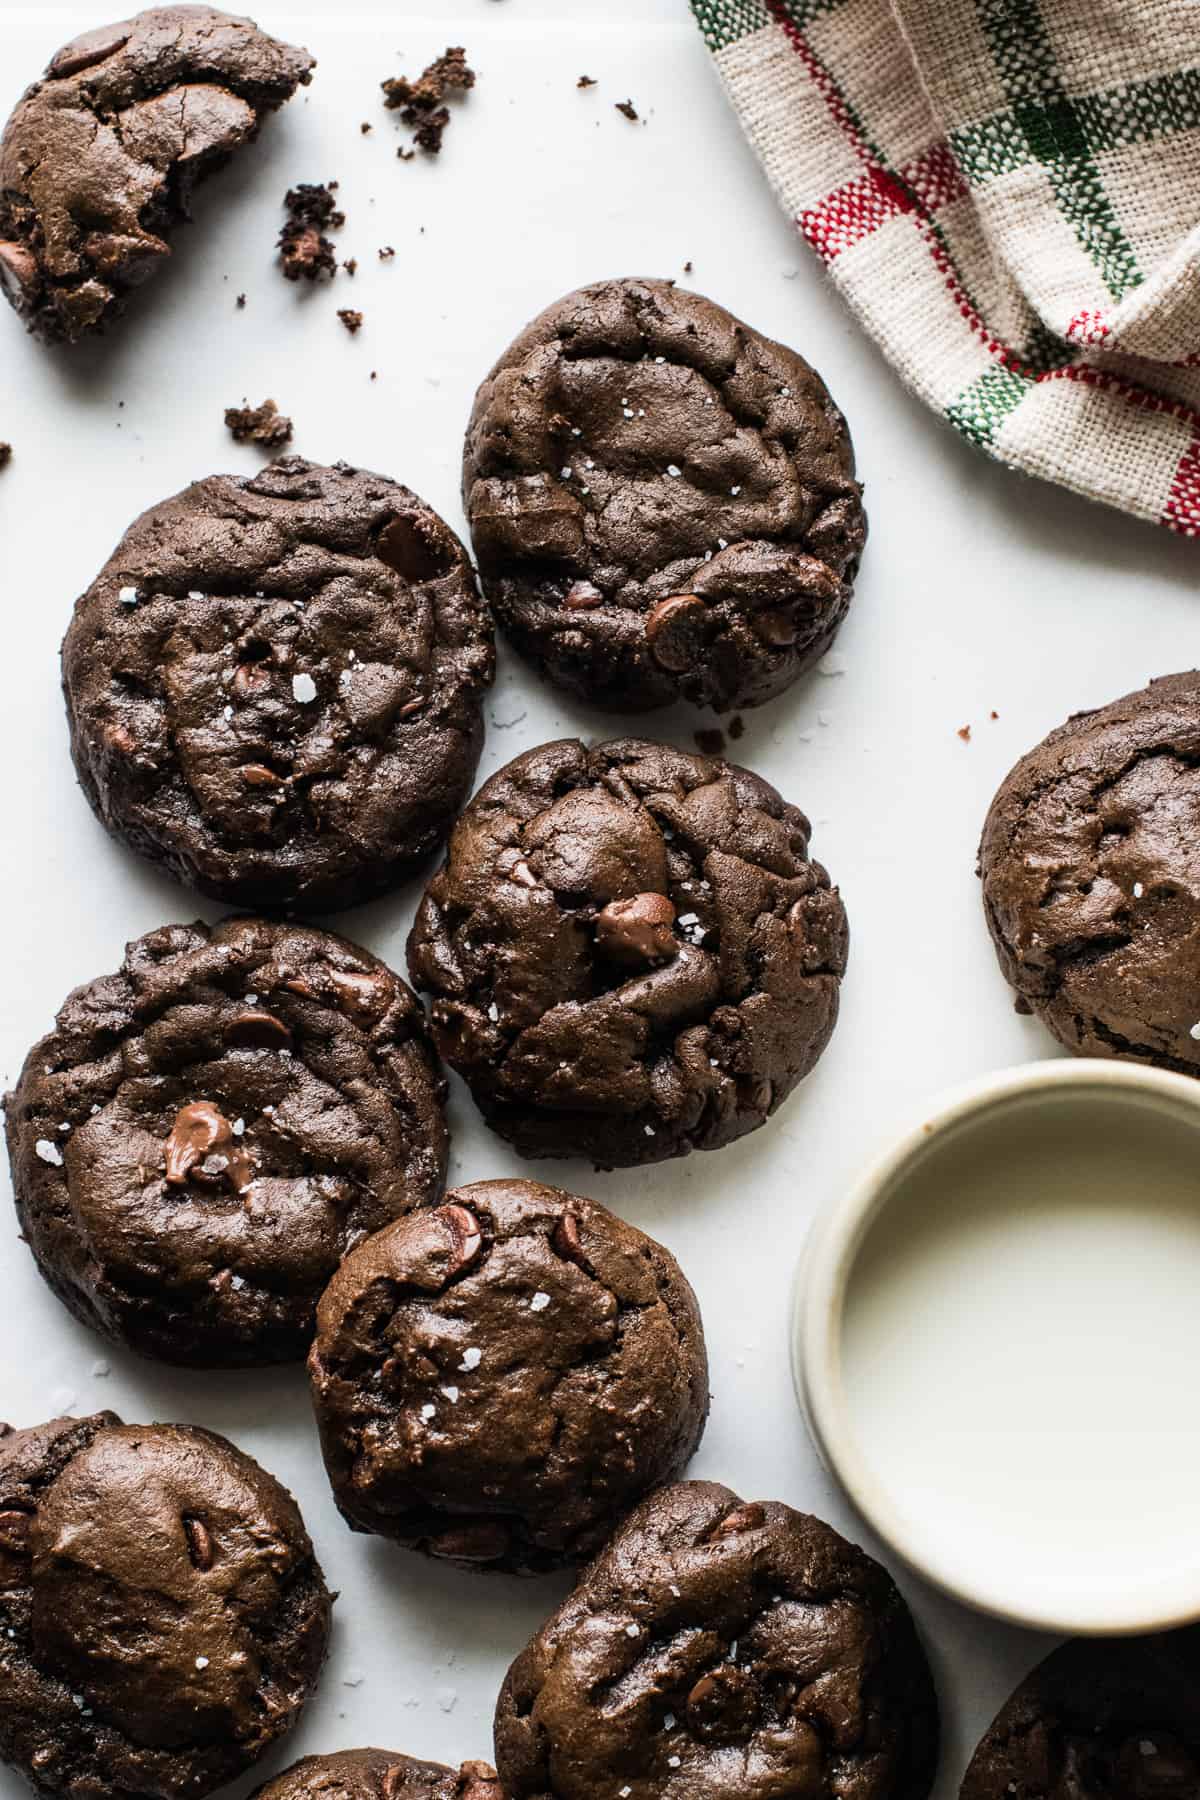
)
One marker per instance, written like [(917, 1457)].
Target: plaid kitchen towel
[(1007, 192)]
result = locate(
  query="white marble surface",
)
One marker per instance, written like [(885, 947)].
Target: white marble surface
[(979, 592)]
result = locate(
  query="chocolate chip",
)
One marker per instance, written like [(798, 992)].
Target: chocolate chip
[(750, 1517), (637, 933), (483, 1542), (259, 1031), (199, 1541), (775, 627), (723, 1706), (250, 678), (465, 1235), (673, 631), (202, 1148), (566, 1241), (258, 775), (582, 597), (15, 1526)]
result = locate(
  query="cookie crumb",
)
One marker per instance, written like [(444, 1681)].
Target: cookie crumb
[(263, 424), (303, 249), (5, 455), (420, 102), (351, 265), (710, 742), (240, 302), (628, 110), (993, 715), (586, 81), (366, 128), (688, 266), (964, 732), (351, 320), (387, 253)]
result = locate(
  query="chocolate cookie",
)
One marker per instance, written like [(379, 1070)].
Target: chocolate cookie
[(1091, 877), (1111, 1720), (163, 1619), (274, 685), (719, 1650), (630, 954), (380, 1775), (99, 159), (662, 501), (499, 1381), (204, 1134)]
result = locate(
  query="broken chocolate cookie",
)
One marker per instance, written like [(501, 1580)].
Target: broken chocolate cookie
[(99, 158)]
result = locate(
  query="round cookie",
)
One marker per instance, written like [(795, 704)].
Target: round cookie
[(380, 1775), (275, 685), (719, 1650), (163, 1619), (497, 1382), (99, 158), (1091, 878), (662, 501), (1117, 1719), (630, 954), (204, 1134)]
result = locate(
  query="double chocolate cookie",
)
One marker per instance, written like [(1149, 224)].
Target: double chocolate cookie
[(1091, 878), (163, 1619), (99, 159), (1111, 1720), (662, 501), (720, 1650), (275, 685), (498, 1381), (204, 1134), (630, 954), (380, 1775)]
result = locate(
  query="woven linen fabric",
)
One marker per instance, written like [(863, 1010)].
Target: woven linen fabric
[(1007, 193)]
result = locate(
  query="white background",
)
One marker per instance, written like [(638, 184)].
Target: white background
[(979, 591)]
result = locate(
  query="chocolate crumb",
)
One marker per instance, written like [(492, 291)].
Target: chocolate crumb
[(263, 424), (420, 102), (737, 727), (586, 81), (374, 374), (687, 267), (964, 732), (406, 155), (387, 253), (993, 715), (628, 109), (240, 302), (710, 743), (303, 249), (366, 128), (351, 265), (5, 455), (351, 320)]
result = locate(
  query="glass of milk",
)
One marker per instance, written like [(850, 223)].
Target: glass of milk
[(997, 1346)]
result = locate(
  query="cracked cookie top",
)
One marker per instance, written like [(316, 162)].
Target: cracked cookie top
[(163, 1619), (275, 685), (1111, 1720), (722, 1650), (204, 1135), (1091, 877), (380, 1775), (498, 1381), (629, 952), (99, 158), (662, 501)]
